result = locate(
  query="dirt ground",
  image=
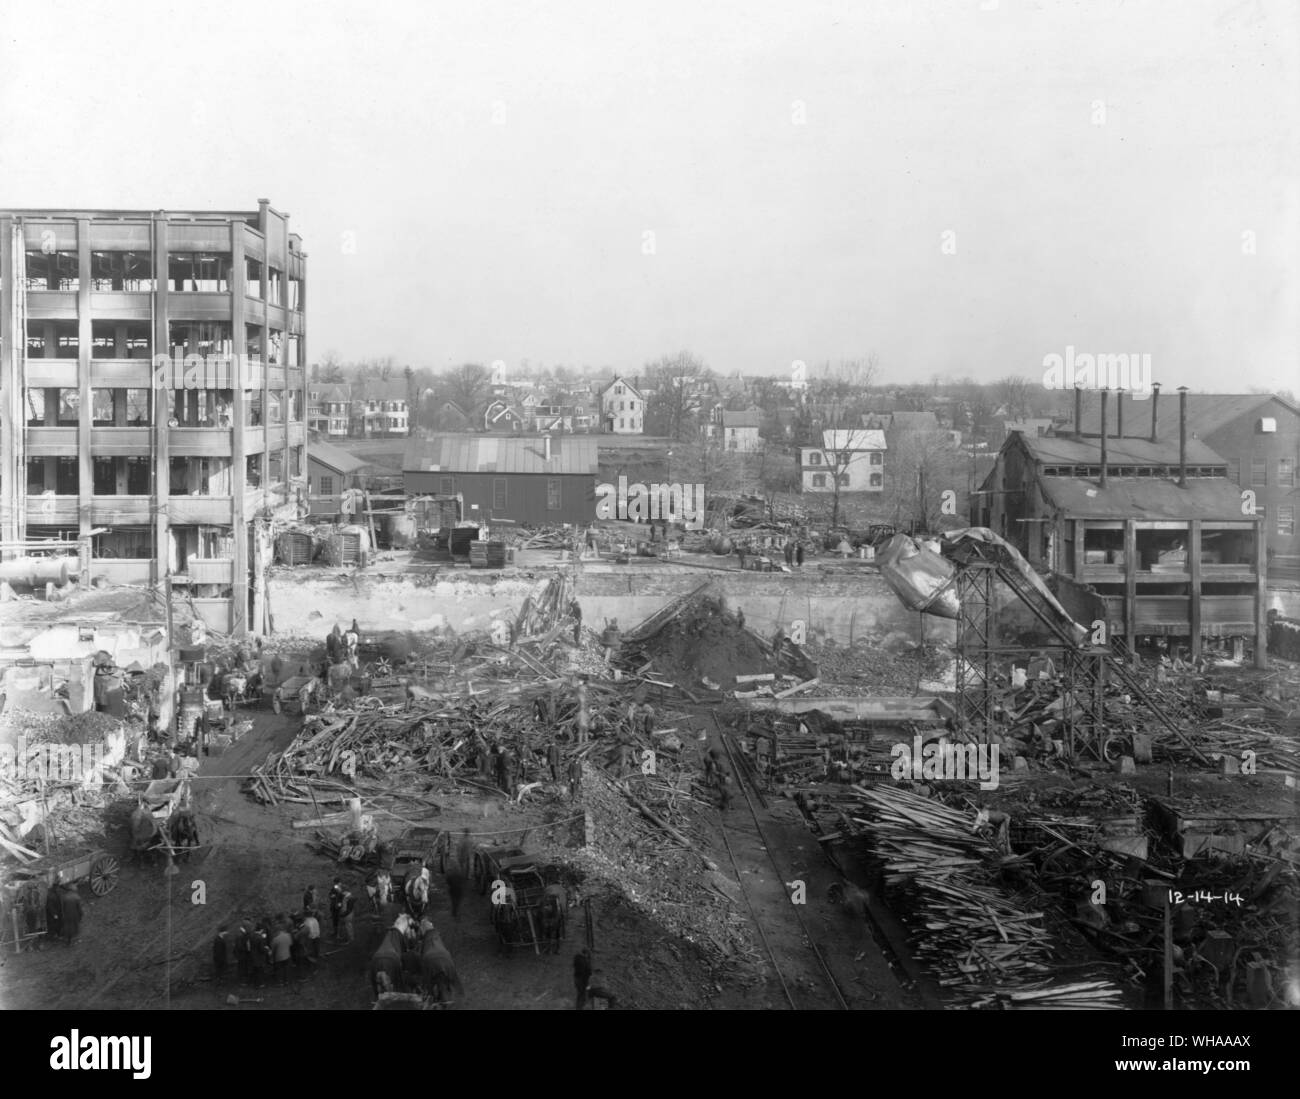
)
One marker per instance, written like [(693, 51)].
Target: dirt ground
[(147, 944)]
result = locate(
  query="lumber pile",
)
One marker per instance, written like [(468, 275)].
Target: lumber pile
[(982, 946)]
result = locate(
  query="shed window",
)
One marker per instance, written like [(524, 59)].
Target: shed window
[(445, 486), (1258, 472), (1286, 520), (498, 494), (1286, 473), (326, 485), (552, 494)]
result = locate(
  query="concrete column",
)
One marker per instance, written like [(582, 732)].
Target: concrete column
[(160, 401), (1130, 584), (238, 447), (86, 462), (1194, 585)]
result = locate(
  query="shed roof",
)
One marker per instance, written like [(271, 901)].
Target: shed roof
[(1206, 413), (473, 453), (1145, 498), (1073, 450), (335, 458)]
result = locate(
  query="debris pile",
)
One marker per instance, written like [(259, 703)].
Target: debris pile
[(942, 880)]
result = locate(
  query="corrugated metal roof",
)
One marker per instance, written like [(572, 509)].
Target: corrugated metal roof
[(1071, 450), (1145, 498), (465, 453), (1206, 413)]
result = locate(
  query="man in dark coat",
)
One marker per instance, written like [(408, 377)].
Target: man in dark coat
[(581, 976), (54, 911), (798, 555), (308, 898), (259, 955), (220, 947), (575, 610), (553, 760), (336, 904), (71, 900)]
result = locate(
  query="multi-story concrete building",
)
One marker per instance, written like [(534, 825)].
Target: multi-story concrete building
[(152, 396)]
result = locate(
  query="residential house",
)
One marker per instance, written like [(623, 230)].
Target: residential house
[(501, 415), (327, 410), (1155, 528), (449, 416), (380, 409), (1257, 434), (622, 408), (739, 430), (530, 479), (853, 457)]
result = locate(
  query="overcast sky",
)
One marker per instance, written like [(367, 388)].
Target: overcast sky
[(958, 190)]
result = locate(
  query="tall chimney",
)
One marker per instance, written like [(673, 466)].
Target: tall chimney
[(1105, 394), (1119, 413), (1078, 410), (546, 446), (1155, 402), (1182, 436)]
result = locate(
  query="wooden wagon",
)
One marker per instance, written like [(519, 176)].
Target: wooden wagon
[(295, 691), (98, 868)]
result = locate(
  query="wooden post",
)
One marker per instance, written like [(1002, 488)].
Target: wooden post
[(1169, 955), (18, 941), (1194, 571)]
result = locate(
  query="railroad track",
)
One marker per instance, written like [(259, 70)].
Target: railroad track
[(790, 946)]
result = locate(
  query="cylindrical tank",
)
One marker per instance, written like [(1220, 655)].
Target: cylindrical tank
[(35, 572)]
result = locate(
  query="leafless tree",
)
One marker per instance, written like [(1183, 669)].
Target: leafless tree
[(669, 411), (922, 466), (1015, 393), (468, 386)]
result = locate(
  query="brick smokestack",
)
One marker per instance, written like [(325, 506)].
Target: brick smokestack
[(1105, 395), (1182, 436), (1078, 410), (1155, 404), (1119, 413)]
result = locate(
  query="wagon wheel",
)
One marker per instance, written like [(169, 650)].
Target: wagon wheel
[(381, 667), (276, 705), (103, 875)]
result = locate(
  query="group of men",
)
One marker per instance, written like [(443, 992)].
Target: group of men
[(717, 777), (251, 950), (62, 912)]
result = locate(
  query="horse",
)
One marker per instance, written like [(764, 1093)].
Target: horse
[(385, 970), (337, 677), (417, 893), (553, 914), (437, 971), (184, 832), (146, 836), (234, 688)]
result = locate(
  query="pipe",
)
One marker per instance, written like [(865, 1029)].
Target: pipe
[(1182, 436), (1078, 410), (1155, 403), (1119, 413), (1104, 395), (36, 572)]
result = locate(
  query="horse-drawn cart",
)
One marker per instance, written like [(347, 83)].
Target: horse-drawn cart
[(297, 691), (528, 904), (98, 868)]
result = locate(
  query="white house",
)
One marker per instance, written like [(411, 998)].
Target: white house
[(740, 430), (855, 457), (622, 408)]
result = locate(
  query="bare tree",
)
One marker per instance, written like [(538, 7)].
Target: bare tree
[(673, 377), (468, 386), (922, 466), (1015, 393), (331, 368)]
